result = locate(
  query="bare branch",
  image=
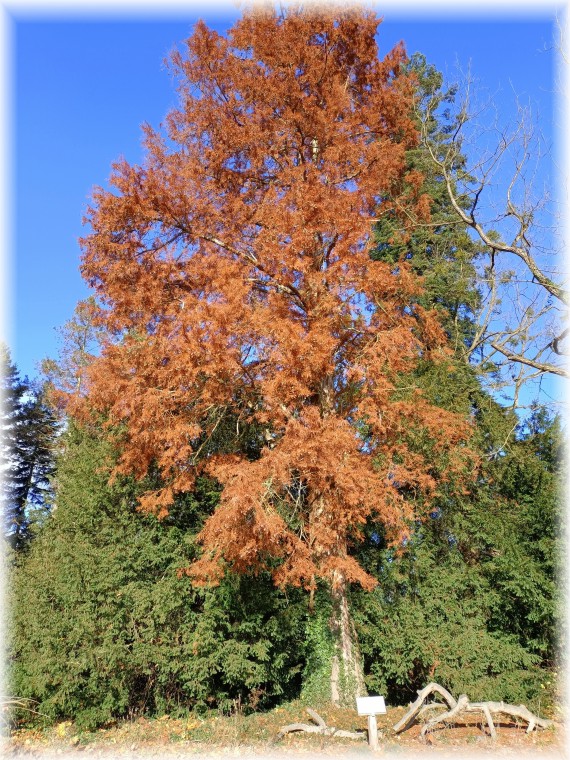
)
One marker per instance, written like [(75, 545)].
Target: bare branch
[(519, 358), (524, 298)]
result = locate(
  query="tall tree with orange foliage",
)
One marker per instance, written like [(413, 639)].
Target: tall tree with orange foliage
[(234, 270)]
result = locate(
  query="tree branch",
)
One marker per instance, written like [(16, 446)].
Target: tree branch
[(520, 359)]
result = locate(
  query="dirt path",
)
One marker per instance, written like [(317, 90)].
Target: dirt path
[(466, 751)]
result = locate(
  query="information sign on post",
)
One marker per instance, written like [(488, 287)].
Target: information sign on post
[(371, 707)]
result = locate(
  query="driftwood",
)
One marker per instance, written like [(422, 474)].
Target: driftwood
[(416, 708), (320, 728), (463, 705)]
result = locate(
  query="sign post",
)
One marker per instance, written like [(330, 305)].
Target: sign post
[(371, 707)]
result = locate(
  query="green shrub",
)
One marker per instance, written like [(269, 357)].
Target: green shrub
[(104, 627)]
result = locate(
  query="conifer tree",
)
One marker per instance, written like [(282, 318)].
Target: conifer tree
[(439, 250), (13, 390), (234, 267), (471, 601), (30, 432), (104, 626)]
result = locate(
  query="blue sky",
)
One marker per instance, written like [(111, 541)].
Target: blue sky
[(82, 87)]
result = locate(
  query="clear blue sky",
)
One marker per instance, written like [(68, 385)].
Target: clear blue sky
[(83, 87)]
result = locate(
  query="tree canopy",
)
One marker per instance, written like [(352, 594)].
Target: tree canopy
[(235, 269)]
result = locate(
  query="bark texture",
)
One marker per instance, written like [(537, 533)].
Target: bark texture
[(347, 671)]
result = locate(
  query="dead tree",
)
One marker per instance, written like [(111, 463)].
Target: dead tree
[(463, 705)]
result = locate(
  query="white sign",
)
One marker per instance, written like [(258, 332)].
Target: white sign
[(370, 705)]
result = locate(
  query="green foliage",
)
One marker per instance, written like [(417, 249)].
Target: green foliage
[(245, 646), (525, 566), (472, 601), (103, 626), (428, 621), (319, 645), (27, 457), (441, 251)]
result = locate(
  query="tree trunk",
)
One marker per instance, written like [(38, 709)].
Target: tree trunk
[(347, 670), (334, 672)]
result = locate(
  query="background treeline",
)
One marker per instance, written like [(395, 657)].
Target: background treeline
[(103, 625)]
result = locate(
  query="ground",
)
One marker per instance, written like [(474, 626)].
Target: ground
[(254, 735)]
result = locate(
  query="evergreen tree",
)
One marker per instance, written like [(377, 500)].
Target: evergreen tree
[(525, 569), (30, 432), (439, 250), (13, 390), (470, 600), (104, 626)]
